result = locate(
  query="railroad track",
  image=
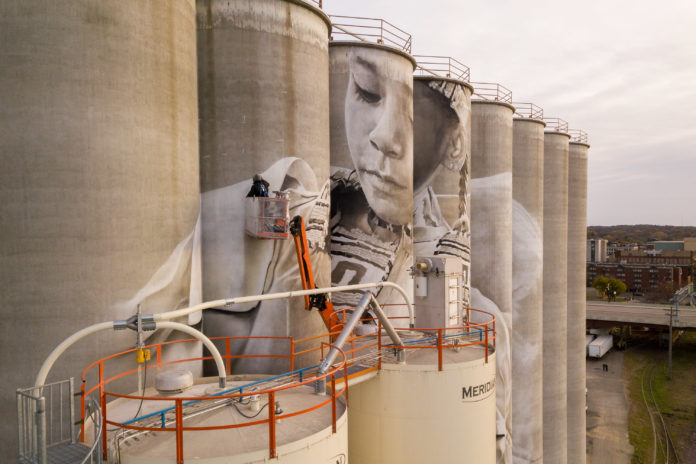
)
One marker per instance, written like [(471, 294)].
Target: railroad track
[(662, 440)]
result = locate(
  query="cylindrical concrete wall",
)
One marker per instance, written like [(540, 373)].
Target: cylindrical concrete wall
[(371, 169), (577, 239), (555, 295), (441, 170), (264, 109), (99, 175), (412, 413), (491, 243), (527, 290)]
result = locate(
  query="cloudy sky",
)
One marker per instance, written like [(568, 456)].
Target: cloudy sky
[(623, 71)]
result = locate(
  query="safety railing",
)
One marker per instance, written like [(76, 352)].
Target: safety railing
[(490, 91), (465, 335), (577, 135), (45, 419), (528, 110), (317, 3), (556, 125), (374, 30), (441, 66), (171, 418)]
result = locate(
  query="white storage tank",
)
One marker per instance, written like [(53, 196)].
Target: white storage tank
[(415, 413)]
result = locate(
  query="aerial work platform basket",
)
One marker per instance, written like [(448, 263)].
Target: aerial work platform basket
[(267, 217)]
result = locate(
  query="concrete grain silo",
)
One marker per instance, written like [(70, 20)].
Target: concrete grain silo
[(491, 235), (371, 164), (442, 161), (577, 239), (556, 140), (99, 170), (527, 289), (264, 109)]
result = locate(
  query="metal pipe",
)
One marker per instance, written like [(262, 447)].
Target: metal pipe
[(281, 295), (366, 301)]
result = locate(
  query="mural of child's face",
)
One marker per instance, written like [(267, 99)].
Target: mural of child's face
[(379, 129)]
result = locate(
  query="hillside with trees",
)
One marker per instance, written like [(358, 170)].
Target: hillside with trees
[(640, 233)]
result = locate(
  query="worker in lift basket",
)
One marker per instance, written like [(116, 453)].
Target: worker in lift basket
[(259, 188)]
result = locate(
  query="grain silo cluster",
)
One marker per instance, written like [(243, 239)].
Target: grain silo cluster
[(346, 225)]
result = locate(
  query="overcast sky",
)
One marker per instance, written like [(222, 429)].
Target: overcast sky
[(622, 70)]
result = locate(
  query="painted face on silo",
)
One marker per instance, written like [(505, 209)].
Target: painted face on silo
[(379, 129), (439, 135)]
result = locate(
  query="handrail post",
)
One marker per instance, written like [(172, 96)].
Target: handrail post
[(101, 378), (271, 425), (292, 354), (102, 397), (72, 411), (228, 354), (494, 333), (379, 344), (333, 402), (179, 432), (486, 343), (439, 349), (82, 411), (41, 431), (345, 383)]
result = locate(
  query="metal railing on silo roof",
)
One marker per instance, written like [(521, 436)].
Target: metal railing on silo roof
[(490, 91), (577, 135), (441, 66), (528, 111), (317, 3), (556, 124), (375, 30)]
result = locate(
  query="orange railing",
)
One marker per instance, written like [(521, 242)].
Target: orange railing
[(491, 91), (300, 377), (441, 66), (370, 30), (356, 348), (528, 110), (577, 135), (435, 338), (556, 124)]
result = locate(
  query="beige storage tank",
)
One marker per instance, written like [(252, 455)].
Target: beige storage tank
[(413, 413), (433, 397), (99, 173), (263, 70)]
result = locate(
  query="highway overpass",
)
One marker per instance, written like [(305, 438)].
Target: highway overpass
[(603, 314)]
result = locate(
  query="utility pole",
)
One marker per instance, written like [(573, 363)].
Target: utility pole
[(670, 342)]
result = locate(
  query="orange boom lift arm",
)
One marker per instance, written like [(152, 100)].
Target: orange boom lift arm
[(320, 301)]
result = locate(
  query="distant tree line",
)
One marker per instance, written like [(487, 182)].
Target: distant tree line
[(640, 233)]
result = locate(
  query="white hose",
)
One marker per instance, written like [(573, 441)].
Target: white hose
[(51, 359), (277, 296), (60, 349), (205, 340)]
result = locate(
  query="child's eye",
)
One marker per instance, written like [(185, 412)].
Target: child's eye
[(366, 95)]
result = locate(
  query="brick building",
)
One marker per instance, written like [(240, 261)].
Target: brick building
[(638, 277)]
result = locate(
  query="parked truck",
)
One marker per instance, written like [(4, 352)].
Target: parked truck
[(599, 346), (588, 339)]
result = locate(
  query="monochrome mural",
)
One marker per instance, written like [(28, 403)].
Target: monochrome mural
[(491, 245), (371, 169), (264, 112), (441, 170), (527, 289)]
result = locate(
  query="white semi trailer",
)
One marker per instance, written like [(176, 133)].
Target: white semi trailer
[(599, 346), (588, 339)]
